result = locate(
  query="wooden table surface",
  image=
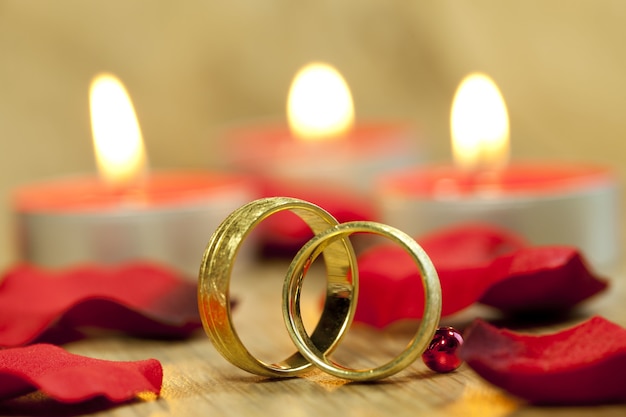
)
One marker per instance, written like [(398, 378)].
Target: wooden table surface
[(199, 382)]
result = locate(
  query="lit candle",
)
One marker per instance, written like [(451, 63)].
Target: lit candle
[(126, 214), (549, 203), (322, 156)]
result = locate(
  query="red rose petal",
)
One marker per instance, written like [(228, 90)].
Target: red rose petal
[(390, 288), (72, 378), (582, 365), (389, 277), (544, 279), (474, 263), (469, 244), (140, 299)]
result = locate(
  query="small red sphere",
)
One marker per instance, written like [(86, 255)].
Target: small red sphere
[(441, 354)]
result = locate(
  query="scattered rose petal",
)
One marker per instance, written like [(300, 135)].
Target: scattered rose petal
[(140, 299), (470, 244), (474, 263), (585, 364), (389, 277), (540, 280), (71, 378)]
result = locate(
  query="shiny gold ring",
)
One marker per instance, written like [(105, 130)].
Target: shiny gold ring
[(293, 286), (216, 270)]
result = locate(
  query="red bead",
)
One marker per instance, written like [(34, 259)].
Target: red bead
[(441, 355)]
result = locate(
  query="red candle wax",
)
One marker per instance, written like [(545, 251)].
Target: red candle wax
[(335, 173), (168, 217), (548, 203)]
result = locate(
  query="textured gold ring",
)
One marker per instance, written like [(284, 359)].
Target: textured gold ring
[(216, 270), (293, 287)]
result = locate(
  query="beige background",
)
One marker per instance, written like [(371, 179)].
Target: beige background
[(194, 66)]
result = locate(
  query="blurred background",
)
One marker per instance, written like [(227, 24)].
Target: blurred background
[(195, 66)]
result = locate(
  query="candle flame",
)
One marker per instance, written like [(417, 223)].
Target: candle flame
[(479, 125), (118, 143), (319, 105)]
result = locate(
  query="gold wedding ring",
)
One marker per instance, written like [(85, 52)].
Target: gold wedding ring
[(293, 286), (332, 240), (216, 270)]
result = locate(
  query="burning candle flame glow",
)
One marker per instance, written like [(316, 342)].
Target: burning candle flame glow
[(479, 125), (319, 105), (117, 138)]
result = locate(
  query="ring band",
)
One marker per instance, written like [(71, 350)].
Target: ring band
[(293, 286), (216, 270)]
